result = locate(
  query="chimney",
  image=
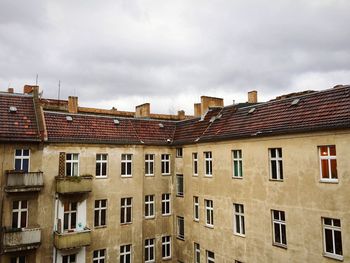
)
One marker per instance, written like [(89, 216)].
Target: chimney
[(10, 90), (208, 102), (252, 96), (181, 114), (197, 110), (72, 104), (28, 89), (143, 111)]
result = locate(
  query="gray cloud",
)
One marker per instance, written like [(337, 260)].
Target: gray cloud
[(118, 53)]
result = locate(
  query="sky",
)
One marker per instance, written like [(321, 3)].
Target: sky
[(123, 53)]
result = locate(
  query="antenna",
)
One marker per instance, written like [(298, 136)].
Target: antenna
[(59, 91), (36, 80)]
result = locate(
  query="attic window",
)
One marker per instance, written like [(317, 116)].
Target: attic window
[(295, 102), (161, 125), (13, 109), (116, 122), (251, 110), (69, 118)]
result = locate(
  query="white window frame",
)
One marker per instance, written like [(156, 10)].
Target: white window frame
[(20, 210), (180, 226), (21, 157), (126, 158), (149, 206), (166, 204), (237, 161), (125, 250), (69, 259), (210, 258), (238, 218), (197, 253), (279, 163), (280, 223), (209, 213), (329, 158), (100, 257), (149, 164), (332, 228), (124, 207), (179, 152), (165, 160), (166, 246), (196, 208), (149, 246), (208, 164), (101, 162), (70, 212), (195, 164), (72, 163), (180, 192), (99, 209)]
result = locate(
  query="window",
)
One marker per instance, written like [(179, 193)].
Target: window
[(276, 167), (238, 219), (72, 164), (99, 256), (149, 206), (165, 164), (179, 185), (166, 247), (180, 227), (279, 228), (208, 161), (20, 259), (22, 160), (69, 258), (126, 169), (101, 165), (20, 214), (166, 205), (197, 253), (209, 212), (210, 256), (125, 254), (178, 152), (196, 208), (328, 163), (149, 251), (126, 210), (100, 212), (70, 215), (237, 163), (149, 164), (332, 238), (195, 164)]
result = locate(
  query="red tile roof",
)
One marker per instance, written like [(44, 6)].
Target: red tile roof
[(20, 125)]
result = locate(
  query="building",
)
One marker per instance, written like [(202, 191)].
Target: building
[(249, 182)]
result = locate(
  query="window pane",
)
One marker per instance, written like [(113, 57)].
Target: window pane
[(324, 165), (277, 233), (25, 165), (18, 164), (329, 241), (334, 169), (332, 150), (338, 244), (274, 169)]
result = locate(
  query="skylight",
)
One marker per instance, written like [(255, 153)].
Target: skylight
[(251, 110), (116, 122), (13, 109), (295, 102), (161, 125), (69, 118)]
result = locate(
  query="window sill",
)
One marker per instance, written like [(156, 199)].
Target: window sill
[(166, 259), (182, 196), (332, 256), (237, 177), (195, 175), (208, 175), (329, 181), (166, 174), (149, 217), (149, 175), (239, 235), (126, 176), (126, 224), (166, 215), (196, 220), (276, 180), (101, 177), (180, 238), (209, 226), (280, 245), (99, 227)]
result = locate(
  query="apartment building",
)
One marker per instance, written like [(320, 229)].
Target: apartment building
[(249, 182)]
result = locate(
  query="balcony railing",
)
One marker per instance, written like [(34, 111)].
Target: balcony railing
[(20, 181), (69, 240), (73, 184), (21, 239)]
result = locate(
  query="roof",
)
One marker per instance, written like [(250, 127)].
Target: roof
[(20, 125)]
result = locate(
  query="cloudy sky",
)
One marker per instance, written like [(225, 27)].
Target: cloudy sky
[(169, 53)]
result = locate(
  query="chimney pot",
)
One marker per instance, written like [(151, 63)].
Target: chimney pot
[(143, 111), (72, 104), (181, 114), (252, 96), (10, 90)]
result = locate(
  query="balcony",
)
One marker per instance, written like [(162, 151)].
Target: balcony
[(21, 239), (20, 181), (69, 240), (73, 184)]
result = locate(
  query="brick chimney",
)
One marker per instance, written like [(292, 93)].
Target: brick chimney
[(28, 89), (252, 96), (197, 110), (143, 111), (208, 102), (10, 90), (181, 114), (72, 104)]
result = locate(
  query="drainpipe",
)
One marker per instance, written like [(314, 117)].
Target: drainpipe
[(2, 190)]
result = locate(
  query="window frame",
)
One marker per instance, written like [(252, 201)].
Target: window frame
[(149, 164), (165, 164), (166, 204), (99, 258), (20, 210), (238, 216), (279, 164), (180, 186), (124, 161), (72, 161), (180, 227), (69, 258), (209, 258), (70, 212), (166, 247), (21, 158), (150, 206), (237, 160), (101, 162), (196, 208), (209, 213), (18, 259), (100, 210), (329, 158), (280, 222), (332, 228), (196, 252), (208, 163), (125, 250), (124, 208), (195, 164), (150, 247), (179, 152)]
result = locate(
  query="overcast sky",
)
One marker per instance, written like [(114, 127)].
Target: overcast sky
[(169, 53)]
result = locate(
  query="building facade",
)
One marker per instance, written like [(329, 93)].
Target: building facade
[(249, 182)]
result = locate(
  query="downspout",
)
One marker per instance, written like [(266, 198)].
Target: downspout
[(2, 183)]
